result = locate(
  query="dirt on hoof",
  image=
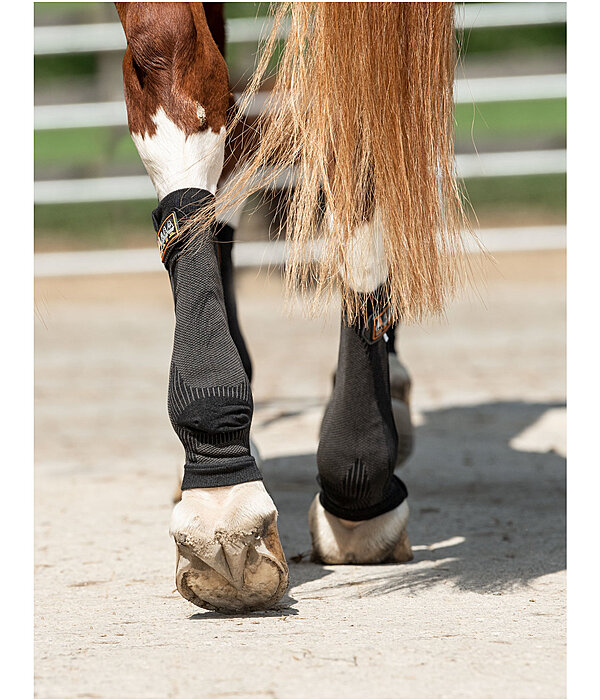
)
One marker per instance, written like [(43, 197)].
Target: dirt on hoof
[(402, 551), (232, 574), (229, 557)]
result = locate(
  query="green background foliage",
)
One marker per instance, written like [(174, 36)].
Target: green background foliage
[(97, 152)]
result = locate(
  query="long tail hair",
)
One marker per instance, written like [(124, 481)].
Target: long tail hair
[(362, 113)]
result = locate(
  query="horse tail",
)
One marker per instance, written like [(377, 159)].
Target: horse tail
[(362, 113)]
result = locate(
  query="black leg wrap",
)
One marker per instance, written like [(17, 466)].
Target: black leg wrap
[(224, 244), (209, 400), (358, 442)]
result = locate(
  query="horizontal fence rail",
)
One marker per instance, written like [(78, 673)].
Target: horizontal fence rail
[(473, 90), (108, 36), (269, 253), (130, 187)]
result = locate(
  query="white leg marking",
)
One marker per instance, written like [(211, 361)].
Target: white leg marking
[(231, 215), (175, 161), (366, 265)]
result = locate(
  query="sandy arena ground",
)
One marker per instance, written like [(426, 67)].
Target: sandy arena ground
[(480, 612)]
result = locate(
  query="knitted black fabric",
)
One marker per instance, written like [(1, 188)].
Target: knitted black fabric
[(224, 244), (358, 442), (209, 399)]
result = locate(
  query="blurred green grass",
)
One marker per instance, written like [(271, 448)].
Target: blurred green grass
[(499, 120), (505, 120), (523, 39), (93, 146)]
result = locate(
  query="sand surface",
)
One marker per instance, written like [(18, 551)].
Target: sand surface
[(480, 612)]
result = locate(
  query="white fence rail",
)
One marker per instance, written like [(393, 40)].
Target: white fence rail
[(478, 90), (108, 36), (112, 189), (268, 253)]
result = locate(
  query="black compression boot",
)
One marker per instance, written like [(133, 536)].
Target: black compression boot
[(358, 442), (224, 245), (400, 388), (209, 399)]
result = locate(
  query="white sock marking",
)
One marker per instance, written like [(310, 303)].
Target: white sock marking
[(175, 161), (366, 265)]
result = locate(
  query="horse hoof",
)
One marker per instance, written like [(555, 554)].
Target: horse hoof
[(375, 541), (229, 557)]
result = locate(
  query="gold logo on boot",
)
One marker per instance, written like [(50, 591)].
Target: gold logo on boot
[(166, 233)]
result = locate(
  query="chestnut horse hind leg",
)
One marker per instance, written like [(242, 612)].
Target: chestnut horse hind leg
[(361, 514), (225, 527)]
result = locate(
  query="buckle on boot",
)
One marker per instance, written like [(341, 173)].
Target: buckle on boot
[(377, 325)]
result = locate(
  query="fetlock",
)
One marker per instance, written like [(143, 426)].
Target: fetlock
[(358, 443)]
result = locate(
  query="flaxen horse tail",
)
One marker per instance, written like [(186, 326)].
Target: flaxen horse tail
[(361, 117)]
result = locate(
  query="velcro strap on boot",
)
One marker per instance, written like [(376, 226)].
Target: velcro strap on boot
[(379, 316)]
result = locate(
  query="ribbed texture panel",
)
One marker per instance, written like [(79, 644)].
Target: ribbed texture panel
[(358, 442)]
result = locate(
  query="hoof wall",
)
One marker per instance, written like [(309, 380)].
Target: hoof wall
[(230, 559), (378, 540)]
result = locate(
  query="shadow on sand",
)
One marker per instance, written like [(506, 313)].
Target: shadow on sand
[(484, 516)]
